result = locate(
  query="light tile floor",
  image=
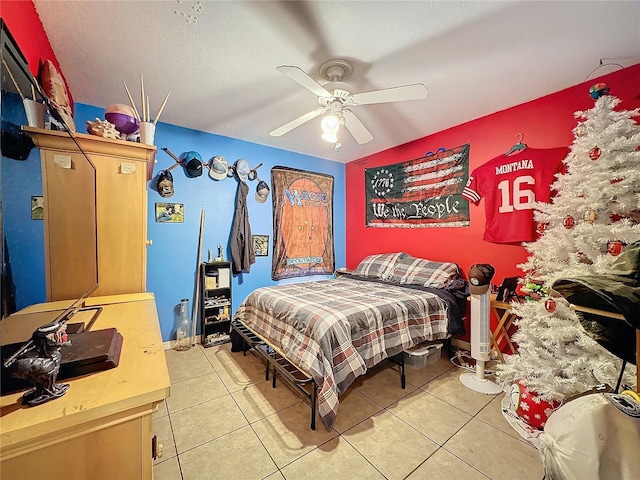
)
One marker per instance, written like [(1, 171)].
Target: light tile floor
[(223, 420)]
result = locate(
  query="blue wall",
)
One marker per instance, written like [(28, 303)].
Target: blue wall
[(172, 258), (20, 180)]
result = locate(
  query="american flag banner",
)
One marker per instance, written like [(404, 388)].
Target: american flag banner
[(425, 192)]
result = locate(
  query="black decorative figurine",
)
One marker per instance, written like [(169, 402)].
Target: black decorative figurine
[(38, 362)]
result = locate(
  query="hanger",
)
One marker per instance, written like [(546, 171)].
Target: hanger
[(517, 146), (602, 64), (176, 159)]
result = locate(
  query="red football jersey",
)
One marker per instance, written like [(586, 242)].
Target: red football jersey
[(510, 184)]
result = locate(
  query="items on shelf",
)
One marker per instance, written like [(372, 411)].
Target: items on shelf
[(215, 282), (142, 123), (123, 118), (216, 339), (54, 87), (102, 128), (146, 111)]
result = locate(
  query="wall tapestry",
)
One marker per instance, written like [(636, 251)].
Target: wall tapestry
[(425, 192), (302, 223)]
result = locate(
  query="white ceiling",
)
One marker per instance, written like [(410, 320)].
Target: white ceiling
[(218, 59)]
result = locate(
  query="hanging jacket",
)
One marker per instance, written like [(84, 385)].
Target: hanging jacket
[(241, 241)]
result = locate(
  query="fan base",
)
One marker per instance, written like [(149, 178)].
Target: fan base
[(336, 70), (472, 382)]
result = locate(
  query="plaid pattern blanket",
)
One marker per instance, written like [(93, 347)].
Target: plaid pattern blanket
[(335, 329)]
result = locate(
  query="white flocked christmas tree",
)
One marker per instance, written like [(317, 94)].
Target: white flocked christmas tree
[(594, 214)]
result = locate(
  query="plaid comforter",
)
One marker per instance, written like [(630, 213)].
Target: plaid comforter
[(335, 329)]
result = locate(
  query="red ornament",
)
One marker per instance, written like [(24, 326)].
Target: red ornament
[(529, 407), (614, 247), (568, 221), (541, 228), (550, 305), (594, 153)]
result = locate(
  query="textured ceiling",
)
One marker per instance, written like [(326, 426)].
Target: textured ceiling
[(219, 59)]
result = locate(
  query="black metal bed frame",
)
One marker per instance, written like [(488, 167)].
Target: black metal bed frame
[(301, 382)]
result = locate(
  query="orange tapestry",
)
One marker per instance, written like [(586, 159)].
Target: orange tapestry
[(302, 223)]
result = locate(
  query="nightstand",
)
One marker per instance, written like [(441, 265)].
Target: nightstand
[(505, 316)]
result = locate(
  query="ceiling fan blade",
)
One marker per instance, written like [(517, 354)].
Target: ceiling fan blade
[(287, 127), (416, 91), (298, 75), (356, 127)]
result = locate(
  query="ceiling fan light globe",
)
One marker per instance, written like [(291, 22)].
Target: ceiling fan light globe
[(330, 137), (330, 124)]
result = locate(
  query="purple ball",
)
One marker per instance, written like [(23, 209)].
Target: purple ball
[(124, 123)]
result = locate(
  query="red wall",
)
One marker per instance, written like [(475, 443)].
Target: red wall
[(545, 123), (24, 24)]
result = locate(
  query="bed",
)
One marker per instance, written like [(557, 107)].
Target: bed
[(332, 331)]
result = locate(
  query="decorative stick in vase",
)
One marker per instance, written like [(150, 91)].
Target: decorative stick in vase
[(133, 105), (161, 108), (144, 113)]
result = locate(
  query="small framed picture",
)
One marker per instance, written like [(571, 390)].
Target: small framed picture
[(261, 245), (37, 208), (169, 212)]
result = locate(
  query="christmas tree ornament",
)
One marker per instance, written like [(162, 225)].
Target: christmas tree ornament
[(568, 222), (598, 90), (541, 228), (550, 305), (533, 290), (529, 407), (614, 247), (589, 216), (580, 130), (582, 258), (594, 153)]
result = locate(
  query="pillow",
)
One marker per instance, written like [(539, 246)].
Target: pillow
[(418, 271), (379, 265)]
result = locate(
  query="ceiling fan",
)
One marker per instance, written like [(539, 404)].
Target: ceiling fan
[(336, 99)]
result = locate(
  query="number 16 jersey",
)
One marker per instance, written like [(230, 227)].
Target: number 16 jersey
[(510, 184)]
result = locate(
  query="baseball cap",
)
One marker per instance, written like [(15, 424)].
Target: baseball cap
[(480, 275), (164, 184), (193, 163), (218, 168), (242, 169), (262, 191)]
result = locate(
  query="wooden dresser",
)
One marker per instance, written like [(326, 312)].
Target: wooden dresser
[(101, 428)]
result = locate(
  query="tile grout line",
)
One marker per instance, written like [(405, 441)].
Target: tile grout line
[(340, 436)]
